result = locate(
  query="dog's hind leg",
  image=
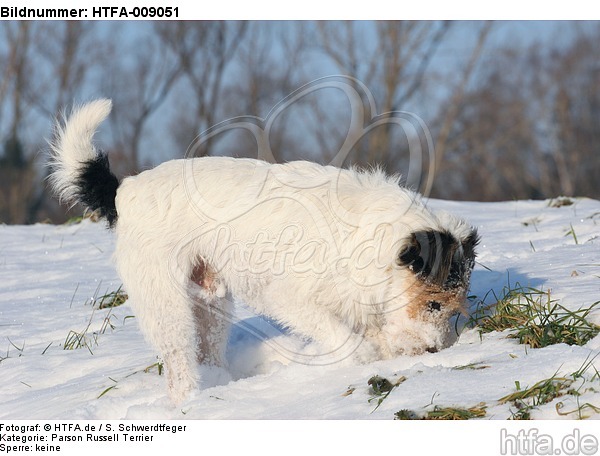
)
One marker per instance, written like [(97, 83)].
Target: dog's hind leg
[(159, 297), (212, 314), (170, 328), (212, 326), (166, 319)]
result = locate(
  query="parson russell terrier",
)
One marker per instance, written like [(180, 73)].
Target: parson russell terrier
[(345, 257)]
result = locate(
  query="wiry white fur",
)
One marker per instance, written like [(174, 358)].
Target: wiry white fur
[(72, 146), (313, 247)]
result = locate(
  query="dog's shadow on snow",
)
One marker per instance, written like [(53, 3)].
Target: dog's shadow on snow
[(488, 286), (249, 352), (258, 345), (488, 283)]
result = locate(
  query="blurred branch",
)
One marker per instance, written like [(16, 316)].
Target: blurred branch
[(455, 105)]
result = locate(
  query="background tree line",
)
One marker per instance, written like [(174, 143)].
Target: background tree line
[(507, 119)]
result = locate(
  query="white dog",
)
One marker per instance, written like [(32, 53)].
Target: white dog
[(347, 258)]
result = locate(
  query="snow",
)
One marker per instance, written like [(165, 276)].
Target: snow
[(52, 275)]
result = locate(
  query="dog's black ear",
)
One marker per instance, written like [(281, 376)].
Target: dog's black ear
[(411, 255), (428, 254), (463, 262), (469, 245)]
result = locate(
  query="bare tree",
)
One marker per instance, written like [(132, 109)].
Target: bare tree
[(16, 165), (488, 140), (45, 66), (203, 51), (575, 74), (65, 53), (529, 132), (521, 123), (139, 86), (272, 60), (392, 59), (18, 39), (456, 102)]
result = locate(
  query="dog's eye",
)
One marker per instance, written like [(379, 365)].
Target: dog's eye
[(434, 306)]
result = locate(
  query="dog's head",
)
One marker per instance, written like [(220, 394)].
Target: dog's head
[(432, 271)]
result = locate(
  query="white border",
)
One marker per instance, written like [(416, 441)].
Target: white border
[(349, 9)]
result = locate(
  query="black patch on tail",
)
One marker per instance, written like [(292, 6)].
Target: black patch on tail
[(98, 187)]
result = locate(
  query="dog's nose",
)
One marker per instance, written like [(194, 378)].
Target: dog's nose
[(431, 350)]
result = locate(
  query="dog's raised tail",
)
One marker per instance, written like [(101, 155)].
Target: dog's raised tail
[(79, 172)]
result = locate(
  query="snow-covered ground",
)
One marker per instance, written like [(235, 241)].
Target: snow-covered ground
[(49, 276)]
